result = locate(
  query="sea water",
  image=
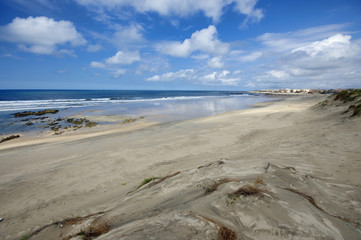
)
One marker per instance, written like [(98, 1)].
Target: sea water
[(160, 106)]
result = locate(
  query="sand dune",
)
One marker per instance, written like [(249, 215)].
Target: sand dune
[(302, 163)]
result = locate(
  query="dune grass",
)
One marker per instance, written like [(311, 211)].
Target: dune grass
[(146, 181)]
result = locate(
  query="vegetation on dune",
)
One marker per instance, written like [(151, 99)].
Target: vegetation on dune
[(247, 190), (94, 231), (25, 237), (259, 181), (352, 96), (225, 233), (146, 181), (348, 95), (356, 110), (323, 103)]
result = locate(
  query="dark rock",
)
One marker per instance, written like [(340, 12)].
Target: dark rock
[(46, 111), (23, 114), (38, 113), (9, 138)]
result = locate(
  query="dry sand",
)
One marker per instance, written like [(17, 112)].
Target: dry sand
[(307, 161)]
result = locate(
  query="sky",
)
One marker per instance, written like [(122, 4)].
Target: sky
[(180, 44)]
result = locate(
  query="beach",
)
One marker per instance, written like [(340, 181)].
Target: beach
[(283, 169)]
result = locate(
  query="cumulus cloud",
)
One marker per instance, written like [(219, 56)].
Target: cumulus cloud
[(220, 78), (170, 76), (41, 35), (223, 78), (119, 72), (247, 7), (113, 63), (332, 48), (95, 64), (335, 60), (211, 8), (123, 58), (204, 40), (215, 62)]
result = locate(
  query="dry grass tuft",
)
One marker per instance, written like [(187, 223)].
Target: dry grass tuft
[(215, 185), (92, 231), (95, 231), (247, 190), (225, 233), (69, 221), (259, 180)]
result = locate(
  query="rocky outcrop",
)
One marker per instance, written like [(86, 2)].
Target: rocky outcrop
[(38, 113)]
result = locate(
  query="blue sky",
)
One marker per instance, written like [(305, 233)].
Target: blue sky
[(180, 44)]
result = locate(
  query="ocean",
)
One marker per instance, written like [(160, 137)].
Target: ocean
[(160, 106)]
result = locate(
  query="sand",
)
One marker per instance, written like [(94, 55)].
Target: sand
[(304, 161)]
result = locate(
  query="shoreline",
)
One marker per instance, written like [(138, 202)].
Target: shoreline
[(310, 150), (35, 137)]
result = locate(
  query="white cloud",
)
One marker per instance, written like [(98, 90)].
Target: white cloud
[(94, 47), (95, 64), (38, 49), (281, 42), (251, 57), (237, 72), (9, 55), (152, 64), (333, 47), (221, 78), (247, 7), (200, 56), (205, 41), (41, 35), (119, 59), (332, 62), (123, 58), (215, 62), (119, 72), (170, 76), (127, 35), (242, 56), (211, 8), (277, 74)]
